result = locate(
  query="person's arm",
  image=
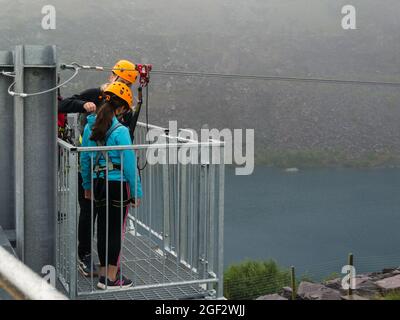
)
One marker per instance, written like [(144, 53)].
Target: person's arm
[(129, 158), (80, 103)]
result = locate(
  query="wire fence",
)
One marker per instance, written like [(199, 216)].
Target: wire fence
[(252, 279)]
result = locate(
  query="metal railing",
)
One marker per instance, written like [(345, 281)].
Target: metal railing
[(21, 283), (173, 243)]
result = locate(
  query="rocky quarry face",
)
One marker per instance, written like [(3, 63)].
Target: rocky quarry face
[(368, 286)]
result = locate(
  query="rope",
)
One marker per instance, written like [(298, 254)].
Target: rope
[(24, 95)]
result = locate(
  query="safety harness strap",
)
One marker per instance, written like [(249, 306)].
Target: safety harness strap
[(111, 166), (98, 169)]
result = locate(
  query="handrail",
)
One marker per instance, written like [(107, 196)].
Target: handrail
[(142, 124), (150, 146), (70, 147), (22, 283)]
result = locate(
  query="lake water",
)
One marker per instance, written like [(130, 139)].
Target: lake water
[(313, 218)]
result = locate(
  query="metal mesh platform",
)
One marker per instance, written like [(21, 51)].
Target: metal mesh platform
[(146, 265), (183, 292)]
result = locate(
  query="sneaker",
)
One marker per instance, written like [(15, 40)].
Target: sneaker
[(117, 284), (84, 266)]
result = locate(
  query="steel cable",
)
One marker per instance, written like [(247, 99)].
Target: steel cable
[(24, 95)]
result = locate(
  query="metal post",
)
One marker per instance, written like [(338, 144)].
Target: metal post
[(221, 194), (202, 221), (72, 222), (35, 155), (211, 223), (351, 263), (166, 200), (7, 218), (293, 282), (184, 214), (19, 153)]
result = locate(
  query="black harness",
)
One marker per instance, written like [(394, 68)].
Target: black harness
[(98, 169)]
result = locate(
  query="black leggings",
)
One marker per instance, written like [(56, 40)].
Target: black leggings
[(85, 221), (115, 219)]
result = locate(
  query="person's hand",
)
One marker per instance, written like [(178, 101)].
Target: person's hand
[(89, 107), (88, 194), (135, 203)]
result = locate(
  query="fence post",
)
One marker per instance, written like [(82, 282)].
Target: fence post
[(350, 263), (35, 155), (7, 215), (72, 221), (293, 282)]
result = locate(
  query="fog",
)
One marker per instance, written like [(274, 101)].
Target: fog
[(288, 38)]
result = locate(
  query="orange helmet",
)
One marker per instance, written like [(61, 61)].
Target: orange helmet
[(126, 70), (121, 90)]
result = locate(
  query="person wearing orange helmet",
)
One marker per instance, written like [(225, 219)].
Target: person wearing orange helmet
[(123, 71), (103, 128), (85, 103)]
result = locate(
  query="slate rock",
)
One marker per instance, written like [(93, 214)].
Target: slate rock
[(287, 293), (388, 270), (274, 296), (314, 291), (387, 284), (335, 284), (354, 297), (366, 287)]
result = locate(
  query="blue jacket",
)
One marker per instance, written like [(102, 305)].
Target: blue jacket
[(120, 136)]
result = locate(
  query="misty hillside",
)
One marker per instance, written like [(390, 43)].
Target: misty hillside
[(291, 38)]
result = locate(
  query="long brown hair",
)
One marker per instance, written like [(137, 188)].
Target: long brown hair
[(104, 117)]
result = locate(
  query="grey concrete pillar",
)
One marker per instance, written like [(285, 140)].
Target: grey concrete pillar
[(35, 155), (7, 217)]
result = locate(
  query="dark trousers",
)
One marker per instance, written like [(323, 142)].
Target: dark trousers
[(85, 221), (115, 219)]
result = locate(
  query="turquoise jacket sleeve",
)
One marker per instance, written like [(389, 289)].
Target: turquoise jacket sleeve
[(85, 160), (130, 169)]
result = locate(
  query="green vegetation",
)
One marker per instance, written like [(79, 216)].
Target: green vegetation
[(251, 279), (308, 158), (332, 276), (394, 295), (305, 277)]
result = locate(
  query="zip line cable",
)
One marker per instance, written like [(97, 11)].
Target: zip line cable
[(271, 78), (77, 67), (243, 76)]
